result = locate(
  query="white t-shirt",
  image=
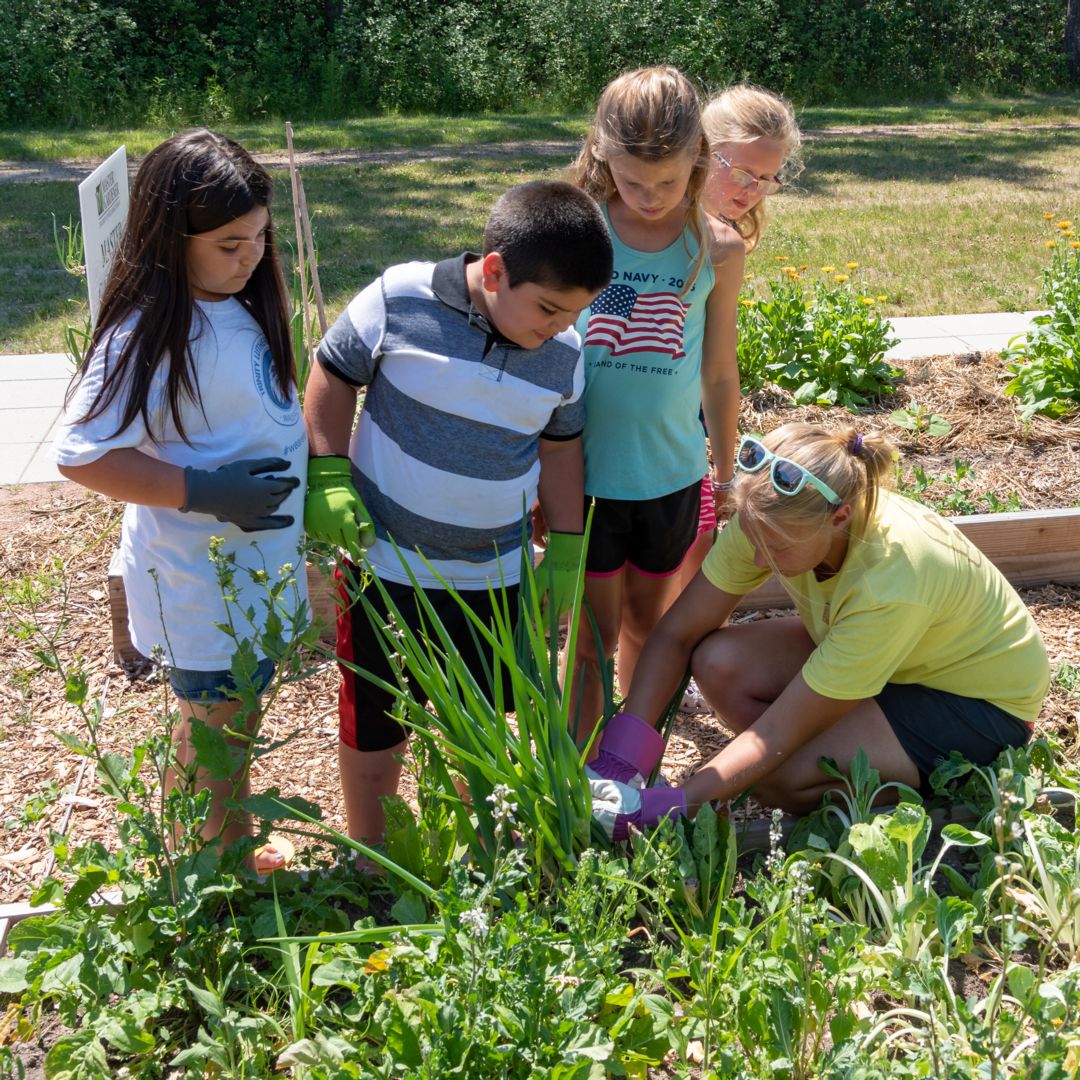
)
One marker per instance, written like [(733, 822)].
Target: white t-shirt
[(244, 414)]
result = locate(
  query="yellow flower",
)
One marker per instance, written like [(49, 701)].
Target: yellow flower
[(780, 258), (803, 267), (868, 300), (1064, 224), (1067, 232), (747, 303), (1049, 217), (1074, 243), (1051, 243), (748, 277), (789, 270), (841, 277), (377, 962), (853, 266), (828, 269), (796, 276), (882, 297)]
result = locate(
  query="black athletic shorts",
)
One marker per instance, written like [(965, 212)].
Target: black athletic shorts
[(930, 723), (650, 536), (365, 720)]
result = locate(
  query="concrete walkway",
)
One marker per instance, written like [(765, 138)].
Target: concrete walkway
[(32, 386)]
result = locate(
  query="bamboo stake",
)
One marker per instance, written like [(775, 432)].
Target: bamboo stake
[(295, 178), (313, 264)]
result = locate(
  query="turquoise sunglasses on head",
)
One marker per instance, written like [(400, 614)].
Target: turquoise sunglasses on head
[(788, 477)]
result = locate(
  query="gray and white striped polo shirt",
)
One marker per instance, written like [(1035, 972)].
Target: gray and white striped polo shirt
[(447, 444)]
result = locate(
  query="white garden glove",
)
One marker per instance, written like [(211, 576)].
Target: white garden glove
[(617, 807)]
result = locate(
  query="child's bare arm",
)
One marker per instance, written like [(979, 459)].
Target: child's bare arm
[(562, 484), (131, 476), (797, 716), (719, 361), (700, 609), (329, 408)]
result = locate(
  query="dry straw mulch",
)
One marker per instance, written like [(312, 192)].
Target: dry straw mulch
[(62, 524)]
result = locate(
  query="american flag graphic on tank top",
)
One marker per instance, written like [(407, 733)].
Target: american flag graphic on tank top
[(626, 321)]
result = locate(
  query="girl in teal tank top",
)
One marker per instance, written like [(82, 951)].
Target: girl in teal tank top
[(659, 345)]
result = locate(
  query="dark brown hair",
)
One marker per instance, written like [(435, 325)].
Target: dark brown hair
[(551, 233), (190, 184)]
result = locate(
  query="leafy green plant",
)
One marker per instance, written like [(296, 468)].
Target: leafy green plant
[(920, 420), (885, 856), (143, 956), (1042, 879), (826, 346), (501, 985), (1067, 676), (70, 255), (1045, 363), (302, 332), (35, 808), (953, 493)]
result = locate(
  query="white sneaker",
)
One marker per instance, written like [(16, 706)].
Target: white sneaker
[(693, 700)]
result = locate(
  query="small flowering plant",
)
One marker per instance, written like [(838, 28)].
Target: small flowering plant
[(826, 344), (1045, 363)]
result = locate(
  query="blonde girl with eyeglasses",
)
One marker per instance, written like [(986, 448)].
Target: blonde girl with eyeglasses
[(755, 144), (659, 348), (907, 642)]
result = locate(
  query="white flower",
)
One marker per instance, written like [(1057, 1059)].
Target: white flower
[(475, 920), (800, 880), (775, 858), (502, 804)]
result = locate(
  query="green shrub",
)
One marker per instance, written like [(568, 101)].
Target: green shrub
[(76, 62)]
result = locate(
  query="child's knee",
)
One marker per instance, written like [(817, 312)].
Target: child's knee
[(716, 669)]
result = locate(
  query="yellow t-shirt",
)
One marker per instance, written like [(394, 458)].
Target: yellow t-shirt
[(914, 602)]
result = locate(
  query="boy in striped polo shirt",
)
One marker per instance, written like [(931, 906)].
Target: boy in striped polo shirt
[(472, 411)]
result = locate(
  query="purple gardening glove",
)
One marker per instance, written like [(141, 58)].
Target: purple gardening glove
[(629, 750), (618, 807)]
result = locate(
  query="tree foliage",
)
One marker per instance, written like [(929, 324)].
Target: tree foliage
[(87, 61)]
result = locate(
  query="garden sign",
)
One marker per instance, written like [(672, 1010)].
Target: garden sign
[(103, 203)]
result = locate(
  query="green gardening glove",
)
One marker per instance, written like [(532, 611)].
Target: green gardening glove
[(333, 511), (557, 574)]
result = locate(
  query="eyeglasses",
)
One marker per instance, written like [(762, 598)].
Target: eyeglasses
[(788, 477), (741, 178)]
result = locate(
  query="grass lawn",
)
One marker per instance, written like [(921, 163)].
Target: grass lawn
[(947, 219)]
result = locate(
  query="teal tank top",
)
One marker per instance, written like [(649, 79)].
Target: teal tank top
[(643, 437)]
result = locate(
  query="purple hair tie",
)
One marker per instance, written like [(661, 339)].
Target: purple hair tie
[(855, 445)]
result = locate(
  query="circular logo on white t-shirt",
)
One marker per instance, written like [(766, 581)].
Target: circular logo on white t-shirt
[(281, 407)]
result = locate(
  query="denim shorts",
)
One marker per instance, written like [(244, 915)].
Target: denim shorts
[(214, 687)]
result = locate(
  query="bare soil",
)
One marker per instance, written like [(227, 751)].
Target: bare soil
[(62, 530)]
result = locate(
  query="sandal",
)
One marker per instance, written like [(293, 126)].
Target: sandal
[(276, 854)]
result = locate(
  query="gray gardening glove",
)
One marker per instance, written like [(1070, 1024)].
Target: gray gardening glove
[(238, 492)]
